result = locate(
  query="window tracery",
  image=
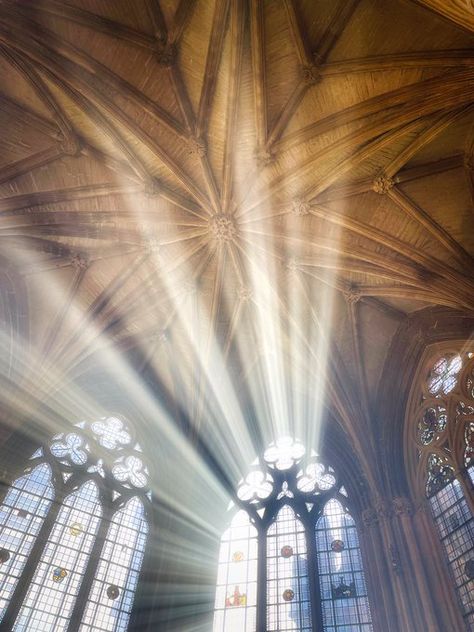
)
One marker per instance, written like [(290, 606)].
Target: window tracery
[(290, 559), (79, 517), (444, 469)]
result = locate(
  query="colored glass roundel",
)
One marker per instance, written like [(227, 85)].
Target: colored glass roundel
[(4, 556), (238, 556), (59, 574), (337, 546), (288, 595), (286, 551), (76, 529), (113, 591)]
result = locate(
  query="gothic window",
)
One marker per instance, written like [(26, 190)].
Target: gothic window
[(290, 559), (73, 530), (444, 467)]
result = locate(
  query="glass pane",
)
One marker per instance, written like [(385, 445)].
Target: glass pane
[(288, 598), (344, 601), (21, 517), (111, 598), (51, 595), (236, 594), (456, 529)]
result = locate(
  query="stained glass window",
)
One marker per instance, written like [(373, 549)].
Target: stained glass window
[(22, 514), (443, 442), (288, 600), (292, 535), (343, 589), (237, 577), (85, 495)]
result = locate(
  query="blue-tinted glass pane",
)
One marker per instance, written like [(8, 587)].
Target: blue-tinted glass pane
[(51, 595), (456, 529), (21, 517), (345, 605), (236, 593), (288, 598), (110, 601)]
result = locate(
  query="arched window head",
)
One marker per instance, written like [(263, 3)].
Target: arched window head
[(73, 530), (290, 559), (440, 448)]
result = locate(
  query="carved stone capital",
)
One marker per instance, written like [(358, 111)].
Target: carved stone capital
[(369, 517), (382, 184), (222, 227), (402, 506), (384, 509), (80, 261), (166, 53), (197, 147), (300, 207), (311, 74)]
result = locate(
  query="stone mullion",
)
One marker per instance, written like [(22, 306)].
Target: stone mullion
[(402, 600), (383, 609), (412, 567)]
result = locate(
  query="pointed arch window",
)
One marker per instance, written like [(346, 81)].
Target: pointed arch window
[(290, 559), (441, 446), (73, 531)]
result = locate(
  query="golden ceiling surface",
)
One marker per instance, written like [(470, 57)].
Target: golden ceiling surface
[(257, 187)]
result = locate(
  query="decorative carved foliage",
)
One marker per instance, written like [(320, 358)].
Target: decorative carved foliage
[(311, 74), (300, 207), (402, 506), (70, 145), (166, 53), (197, 147), (222, 227), (80, 261), (382, 184)]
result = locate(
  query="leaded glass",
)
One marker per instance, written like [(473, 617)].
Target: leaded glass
[(443, 375), (443, 438), (111, 597), (288, 598), (51, 595), (100, 486), (456, 528), (21, 516), (279, 503), (236, 594), (344, 598)]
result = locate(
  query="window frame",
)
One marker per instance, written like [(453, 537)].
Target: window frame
[(308, 518), (62, 488), (448, 444)]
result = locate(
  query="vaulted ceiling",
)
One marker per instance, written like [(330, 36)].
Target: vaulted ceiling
[(255, 192)]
